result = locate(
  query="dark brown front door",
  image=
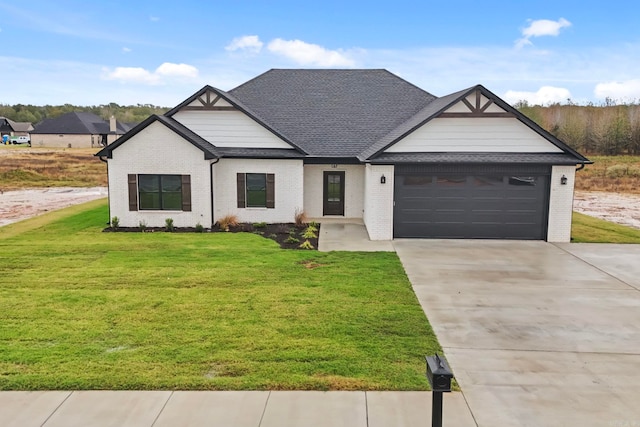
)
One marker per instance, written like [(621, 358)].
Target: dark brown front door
[(333, 200)]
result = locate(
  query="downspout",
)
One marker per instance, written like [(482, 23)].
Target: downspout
[(211, 181), (102, 159), (579, 168)]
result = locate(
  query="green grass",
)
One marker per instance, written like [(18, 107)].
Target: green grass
[(82, 309), (587, 229)]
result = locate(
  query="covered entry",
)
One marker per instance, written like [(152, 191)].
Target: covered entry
[(471, 201)]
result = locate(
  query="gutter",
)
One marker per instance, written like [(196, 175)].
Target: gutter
[(211, 182)]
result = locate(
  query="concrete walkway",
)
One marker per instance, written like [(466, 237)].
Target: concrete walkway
[(227, 409), (348, 235)]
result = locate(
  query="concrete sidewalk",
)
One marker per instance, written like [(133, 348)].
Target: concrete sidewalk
[(227, 409)]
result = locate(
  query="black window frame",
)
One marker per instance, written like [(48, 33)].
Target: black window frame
[(161, 199)]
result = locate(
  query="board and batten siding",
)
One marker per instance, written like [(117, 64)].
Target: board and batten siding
[(229, 129), (378, 201), (474, 134), (158, 150)]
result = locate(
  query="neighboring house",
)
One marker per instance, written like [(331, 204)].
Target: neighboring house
[(359, 144), (10, 128), (77, 130)]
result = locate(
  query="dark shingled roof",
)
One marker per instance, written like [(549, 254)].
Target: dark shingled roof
[(332, 113), (77, 123), (353, 115)]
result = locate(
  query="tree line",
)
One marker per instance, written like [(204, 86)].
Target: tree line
[(122, 113), (609, 129)]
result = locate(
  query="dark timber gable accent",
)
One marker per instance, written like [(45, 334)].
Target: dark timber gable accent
[(208, 101), (477, 110)]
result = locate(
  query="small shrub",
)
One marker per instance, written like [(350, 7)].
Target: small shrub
[(282, 229), (227, 221), (259, 225), (273, 236), (142, 225), (168, 224), (312, 228), (115, 222), (306, 245), (300, 218), (308, 234), (314, 225), (617, 171), (292, 239), (633, 171), (199, 228)]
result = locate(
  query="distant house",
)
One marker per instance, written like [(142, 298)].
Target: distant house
[(77, 130), (10, 128)]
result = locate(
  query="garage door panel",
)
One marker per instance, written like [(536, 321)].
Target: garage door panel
[(509, 205)]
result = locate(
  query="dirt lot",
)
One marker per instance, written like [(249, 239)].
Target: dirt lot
[(614, 207), (23, 204), (17, 205)]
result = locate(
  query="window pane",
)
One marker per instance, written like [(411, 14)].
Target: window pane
[(418, 180), (160, 192), (333, 188), (149, 191), (487, 181), (256, 190), (452, 181), (522, 180), (149, 200)]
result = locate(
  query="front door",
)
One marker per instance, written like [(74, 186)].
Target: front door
[(333, 200)]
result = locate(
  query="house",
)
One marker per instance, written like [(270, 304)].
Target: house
[(13, 129), (77, 130), (362, 144)]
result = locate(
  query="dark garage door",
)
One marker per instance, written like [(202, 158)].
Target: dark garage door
[(488, 202)]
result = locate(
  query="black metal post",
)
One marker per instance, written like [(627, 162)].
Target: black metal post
[(436, 409)]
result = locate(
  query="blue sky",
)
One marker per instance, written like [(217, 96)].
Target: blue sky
[(160, 52)]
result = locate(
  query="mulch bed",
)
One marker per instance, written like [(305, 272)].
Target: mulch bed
[(288, 235)]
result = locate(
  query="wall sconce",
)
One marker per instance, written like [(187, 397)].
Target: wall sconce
[(383, 180), (563, 180)]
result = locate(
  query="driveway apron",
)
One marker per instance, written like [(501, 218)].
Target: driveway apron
[(537, 334)]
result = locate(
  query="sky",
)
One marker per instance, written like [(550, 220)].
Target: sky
[(93, 52)]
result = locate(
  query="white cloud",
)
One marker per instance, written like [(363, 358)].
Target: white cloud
[(309, 54), (126, 49), (141, 75), (628, 90), (154, 19), (545, 95), (539, 28), (247, 43), (177, 70), (132, 75)]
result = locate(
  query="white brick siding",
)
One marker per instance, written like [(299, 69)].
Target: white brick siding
[(158, 150), (288, 189), (354, 189), (378, 203), (561, 204)]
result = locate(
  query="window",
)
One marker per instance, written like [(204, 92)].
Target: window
[(160, 192), (256, 190)]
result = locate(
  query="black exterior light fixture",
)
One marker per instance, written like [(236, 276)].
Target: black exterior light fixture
[(563, 180), (439, 375), (383, 180)]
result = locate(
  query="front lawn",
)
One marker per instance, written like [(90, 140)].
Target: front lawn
[(82, 309), (587, 229)]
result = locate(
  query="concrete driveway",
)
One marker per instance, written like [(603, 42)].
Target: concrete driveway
[(537, 334)]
